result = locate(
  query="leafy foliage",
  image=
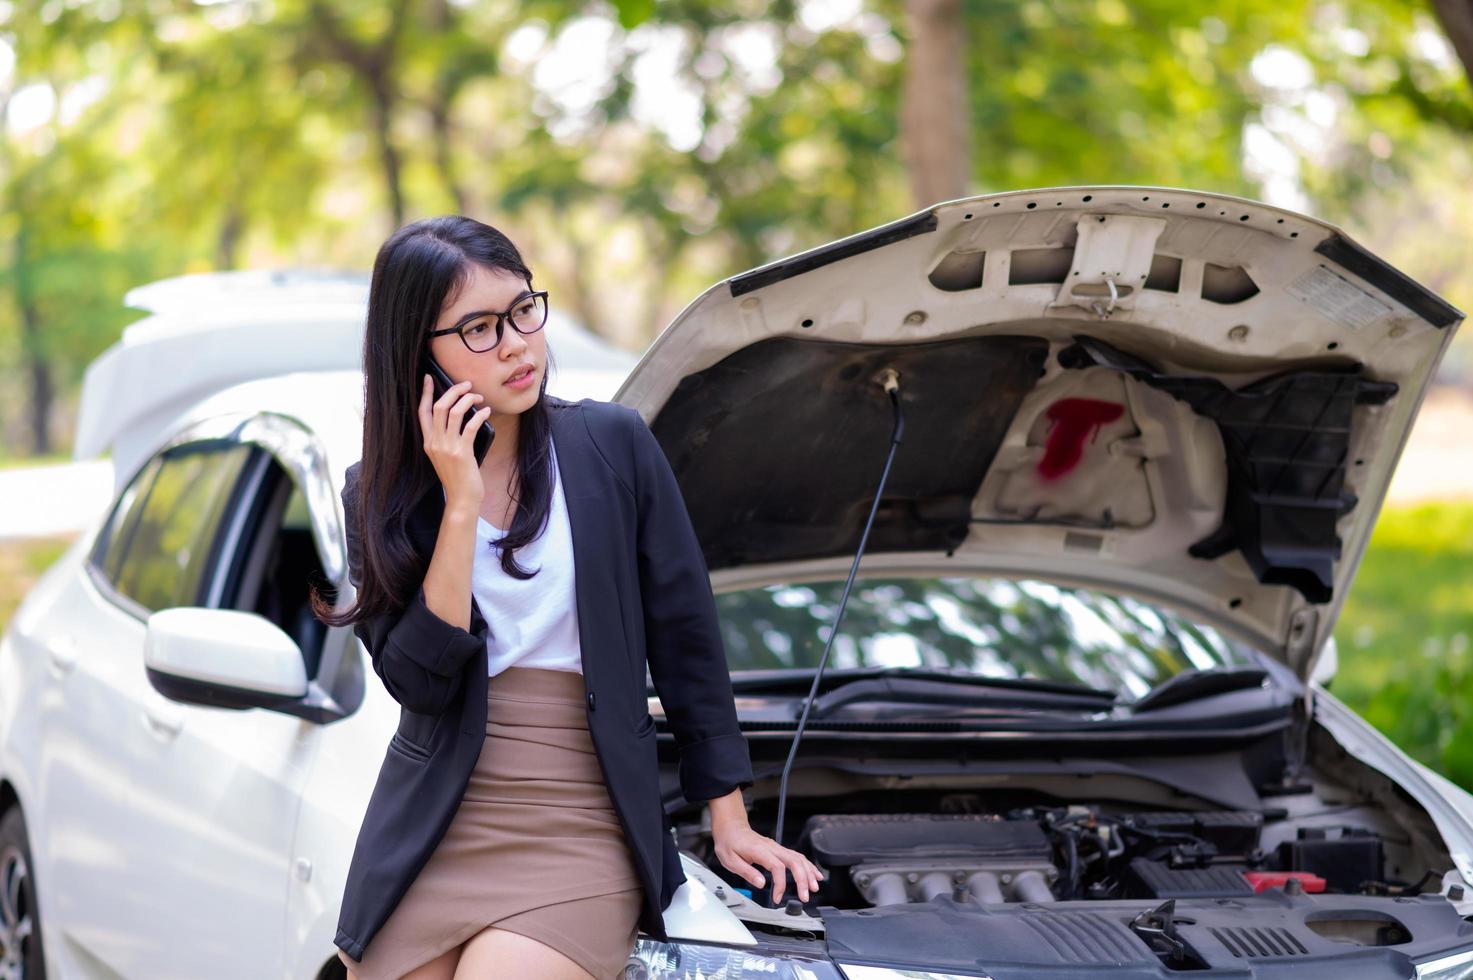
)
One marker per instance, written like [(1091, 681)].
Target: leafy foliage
[(638, 151), (1404, 635)]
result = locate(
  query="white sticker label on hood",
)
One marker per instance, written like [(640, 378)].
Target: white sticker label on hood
[(1337, 297)]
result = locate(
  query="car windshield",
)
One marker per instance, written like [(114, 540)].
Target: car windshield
[(991, 627)]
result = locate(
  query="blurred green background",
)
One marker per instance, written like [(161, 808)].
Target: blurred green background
[(639, 151)]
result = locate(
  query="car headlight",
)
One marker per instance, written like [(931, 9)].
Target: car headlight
[(654, 960), (1458, 966), (853, 972)]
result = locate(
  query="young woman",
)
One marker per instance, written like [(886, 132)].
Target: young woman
[(516, 827)]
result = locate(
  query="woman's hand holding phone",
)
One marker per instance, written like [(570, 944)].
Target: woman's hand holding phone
[(449, 439)]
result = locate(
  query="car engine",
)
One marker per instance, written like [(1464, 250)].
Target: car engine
[(1046, 854)]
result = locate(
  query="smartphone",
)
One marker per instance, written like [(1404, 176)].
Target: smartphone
[(441, 382)]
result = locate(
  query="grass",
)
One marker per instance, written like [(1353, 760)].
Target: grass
[(20, 565), (8, 462), (1404, 637)]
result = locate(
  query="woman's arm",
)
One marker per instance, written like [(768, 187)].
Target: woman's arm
[(688, 665), (420, 651), (682, 641)]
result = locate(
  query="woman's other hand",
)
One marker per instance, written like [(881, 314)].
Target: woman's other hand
[(741, 850), (449, 440)]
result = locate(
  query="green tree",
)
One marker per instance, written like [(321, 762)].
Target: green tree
[(241, 132)]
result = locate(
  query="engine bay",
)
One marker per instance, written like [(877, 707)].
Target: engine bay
[(1044, 854), (951, 878)]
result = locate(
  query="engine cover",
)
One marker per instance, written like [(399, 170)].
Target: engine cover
[(915, 857)]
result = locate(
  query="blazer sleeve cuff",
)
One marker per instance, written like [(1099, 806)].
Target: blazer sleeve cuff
[(714, 767), (432, 643)]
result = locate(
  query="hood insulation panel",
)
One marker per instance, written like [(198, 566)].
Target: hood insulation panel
[(1286, 439), (778, 445)]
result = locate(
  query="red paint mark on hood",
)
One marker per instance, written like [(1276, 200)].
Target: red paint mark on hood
[(1075, 422)]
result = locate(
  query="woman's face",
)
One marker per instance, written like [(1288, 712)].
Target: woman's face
[(499, 374)]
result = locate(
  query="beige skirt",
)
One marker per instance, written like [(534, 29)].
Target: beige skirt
[(535, 846)]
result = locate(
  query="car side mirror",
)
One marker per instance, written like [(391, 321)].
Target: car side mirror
[(222, 657)]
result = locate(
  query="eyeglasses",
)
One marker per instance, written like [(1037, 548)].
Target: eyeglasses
[(526, 315)]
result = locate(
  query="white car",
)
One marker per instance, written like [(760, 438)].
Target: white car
[(1074, 720)]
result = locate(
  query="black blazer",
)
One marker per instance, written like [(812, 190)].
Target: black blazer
[(643, 595)]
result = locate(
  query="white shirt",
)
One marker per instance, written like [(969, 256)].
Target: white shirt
[(530, 622)]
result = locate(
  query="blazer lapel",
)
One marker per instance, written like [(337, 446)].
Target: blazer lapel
[(577, 462)]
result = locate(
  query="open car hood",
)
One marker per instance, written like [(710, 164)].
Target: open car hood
[(1191, 397)]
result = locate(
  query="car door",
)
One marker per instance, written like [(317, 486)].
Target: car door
[(87, 695), (97, 710), (201, 802)]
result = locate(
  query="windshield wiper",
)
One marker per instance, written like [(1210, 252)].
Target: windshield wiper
[(782, 680), (971, 691), (1195, 684)]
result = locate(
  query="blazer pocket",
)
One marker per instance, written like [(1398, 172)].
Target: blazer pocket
[(418, 730), (645, 727), (405, 747)]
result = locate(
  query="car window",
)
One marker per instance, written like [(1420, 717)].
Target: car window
[(166, 554), (112, 541), (279, 563), (989, 626)]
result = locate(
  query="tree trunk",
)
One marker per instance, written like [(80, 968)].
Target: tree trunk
[(1456, 17), (227, 245), (656, 284), (32, 348), (444, 140), (934, 120), (374, 65), (447, 85), (583, 306), (42, 398), (383, 117)]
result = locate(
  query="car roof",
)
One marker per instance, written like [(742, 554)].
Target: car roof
[(283, 341)]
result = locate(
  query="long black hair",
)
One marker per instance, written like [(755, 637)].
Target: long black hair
[(416, 270)]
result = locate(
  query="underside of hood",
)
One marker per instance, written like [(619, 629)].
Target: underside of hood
[(1191, 397)]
